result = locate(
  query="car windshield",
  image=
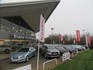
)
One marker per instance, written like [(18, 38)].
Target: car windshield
[(67, 47), (51, 47), (23, 50), (60, 47)]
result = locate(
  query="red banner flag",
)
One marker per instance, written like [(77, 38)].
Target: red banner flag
[(77, 35), (60, 38), (89, 40)]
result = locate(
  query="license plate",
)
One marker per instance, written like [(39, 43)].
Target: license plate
[(54, 53)]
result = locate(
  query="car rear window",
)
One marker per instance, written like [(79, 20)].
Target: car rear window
[(23, 50)]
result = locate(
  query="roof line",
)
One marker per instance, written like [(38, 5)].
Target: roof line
[(25, 3)]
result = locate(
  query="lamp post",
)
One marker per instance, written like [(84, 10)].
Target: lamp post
[(83, 32), (52, 34), (87, 31), (87, 34)]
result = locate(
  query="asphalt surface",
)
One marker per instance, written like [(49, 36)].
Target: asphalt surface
[(7, 65)]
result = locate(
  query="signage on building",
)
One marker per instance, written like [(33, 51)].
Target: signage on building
[(22, 37)]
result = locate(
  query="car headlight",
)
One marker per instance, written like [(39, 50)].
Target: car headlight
[(48, 52), (21, 56), (58, 52)]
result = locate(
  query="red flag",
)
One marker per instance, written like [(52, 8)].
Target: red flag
[(89, 40), (77, 35), (60, 38)]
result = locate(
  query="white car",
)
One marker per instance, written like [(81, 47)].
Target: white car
[(5, 48)]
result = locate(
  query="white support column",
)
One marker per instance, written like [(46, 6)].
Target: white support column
[(0, 23), (86, 40)]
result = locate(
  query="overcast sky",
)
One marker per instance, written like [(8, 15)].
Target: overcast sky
[(69, 16)]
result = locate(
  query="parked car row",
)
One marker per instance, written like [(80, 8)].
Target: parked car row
[(25, 52), (57, 50)]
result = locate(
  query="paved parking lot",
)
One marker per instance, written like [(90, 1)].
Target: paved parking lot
[(7, 65)]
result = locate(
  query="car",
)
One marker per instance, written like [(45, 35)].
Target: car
[(23, 54), (80, 48), (75, 46), (40, 46), (71, 50), (16, 47), (61, 49), (85, 46), (5, 48), (48, 50)]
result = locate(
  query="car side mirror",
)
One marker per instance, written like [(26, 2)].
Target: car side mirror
[(29, 50), (46, 48)]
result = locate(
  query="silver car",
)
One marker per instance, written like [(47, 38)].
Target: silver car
[(5, 48), (23, 54), (48, 50)]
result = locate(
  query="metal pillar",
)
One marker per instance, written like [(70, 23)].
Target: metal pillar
[(0, 23)]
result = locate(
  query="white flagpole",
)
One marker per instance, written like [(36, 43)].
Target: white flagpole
[(41, 37), (87, 40)]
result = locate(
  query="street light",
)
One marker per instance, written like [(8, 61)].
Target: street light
[(83, 32), (87, 31), (52, 34), (52, 30)]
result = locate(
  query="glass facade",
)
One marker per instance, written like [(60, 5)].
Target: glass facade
[(14, 28), (11, 31)]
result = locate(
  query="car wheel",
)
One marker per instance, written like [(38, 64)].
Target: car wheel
[(7, 51), (34, 54), (45, 56), (27, 58), (41, 53)]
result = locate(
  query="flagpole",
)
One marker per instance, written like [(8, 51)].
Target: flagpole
[(38, 57), (41, 37)]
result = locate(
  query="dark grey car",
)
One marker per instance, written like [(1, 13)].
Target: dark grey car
[(61, 49), (48, 50), (71, 50)]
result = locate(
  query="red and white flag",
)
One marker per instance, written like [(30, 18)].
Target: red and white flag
[(42, 28), (77, 35)]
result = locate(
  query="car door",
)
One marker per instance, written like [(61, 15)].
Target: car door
[(44, 48), (31, 52), (0, 48)]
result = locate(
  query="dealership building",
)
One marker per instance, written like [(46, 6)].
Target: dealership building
[(19, 21)]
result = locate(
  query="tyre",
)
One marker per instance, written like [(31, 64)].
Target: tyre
[(41, 53), (7, 51), (27, 59), (45, 56), (34, 54)]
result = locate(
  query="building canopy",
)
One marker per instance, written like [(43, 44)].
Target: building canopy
[(28, 13)]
